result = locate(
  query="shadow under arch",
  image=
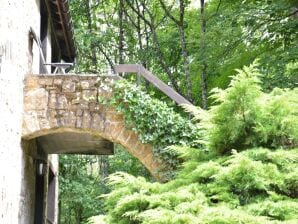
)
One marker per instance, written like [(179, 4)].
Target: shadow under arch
[(66, 140), (58, 108)]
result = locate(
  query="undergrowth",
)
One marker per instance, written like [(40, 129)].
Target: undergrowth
[(244, 172)]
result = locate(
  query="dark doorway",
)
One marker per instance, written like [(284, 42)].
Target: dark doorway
[(51, 196), (39, 192)]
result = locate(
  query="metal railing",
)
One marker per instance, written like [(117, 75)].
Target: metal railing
[(141, 71)]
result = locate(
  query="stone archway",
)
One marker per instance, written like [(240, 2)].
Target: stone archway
[(57, 108)]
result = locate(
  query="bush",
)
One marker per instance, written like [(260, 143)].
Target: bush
[(247, 172)]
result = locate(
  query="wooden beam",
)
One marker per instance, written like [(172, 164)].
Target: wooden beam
[(127, 68), (170, 92)]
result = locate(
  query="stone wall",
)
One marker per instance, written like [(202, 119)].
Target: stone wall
[(17, 59), (69, 103)]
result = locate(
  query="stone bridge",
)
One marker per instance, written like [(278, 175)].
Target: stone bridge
[(63, 114)]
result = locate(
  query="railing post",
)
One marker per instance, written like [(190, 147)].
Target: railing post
[(147, 75), (139, 75)]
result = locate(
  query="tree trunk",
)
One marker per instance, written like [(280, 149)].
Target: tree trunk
[(151, 24), (203, 56), (180, 25), (103, 164), (121, 31), (90, 29), (79, 217), (184, 51)]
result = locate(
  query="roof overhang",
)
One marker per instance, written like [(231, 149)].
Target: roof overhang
[(62, 25)]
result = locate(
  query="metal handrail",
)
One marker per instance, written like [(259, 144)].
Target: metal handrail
[(140, 70)]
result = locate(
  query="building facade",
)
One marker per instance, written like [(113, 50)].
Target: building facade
[(32, 33)]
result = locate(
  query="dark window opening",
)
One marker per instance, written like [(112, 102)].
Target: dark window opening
[(43, 33)]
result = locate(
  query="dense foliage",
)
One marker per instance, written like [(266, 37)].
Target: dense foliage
[(185, 47), (235, 179), (247, 117), (194, 46), (154, 121), (83, 178)]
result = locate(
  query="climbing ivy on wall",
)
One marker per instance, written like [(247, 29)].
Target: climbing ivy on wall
[(154, 121)]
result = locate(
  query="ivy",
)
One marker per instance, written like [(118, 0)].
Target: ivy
[(154, 121), (247, 174)]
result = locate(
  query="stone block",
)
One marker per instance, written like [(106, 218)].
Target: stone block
[(85, 84), (61, 102), (96, 121), (46, 81), (36, 99), (93, 107), (79, 112), (132, 141), (53, 119), (68, 86), (114, 116), (52, 100), (117, 129), (83, 105), (44, 123), (89, 95), (31, 82), (70, 121), (58, 82), (86, 123), (30, 122), (79, 122)]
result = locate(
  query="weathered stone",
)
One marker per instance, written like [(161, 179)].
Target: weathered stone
[(79, 122), (36, 99), (41, 114), (52, 100), (86, 119), (83, 105), (85, 84), (79, 112), (96, 121), (76, 107), (44, 123), (61, 102), (117, 129), (89, 95), (132, 141), (70, 96), (48, 81), (58, 82), (31, 121), (93, 107), (52, 118), (68, 86), (32, 83), (71, 119), (77, 98), (114, 116), (124, 136)]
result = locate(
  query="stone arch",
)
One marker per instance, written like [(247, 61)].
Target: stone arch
[(68, 105)]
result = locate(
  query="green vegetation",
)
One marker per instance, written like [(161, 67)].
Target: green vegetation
[(232, 178), (155, 122), (237, 160), (82, 178)]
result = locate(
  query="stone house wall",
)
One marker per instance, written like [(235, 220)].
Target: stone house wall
[(18, 57)]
